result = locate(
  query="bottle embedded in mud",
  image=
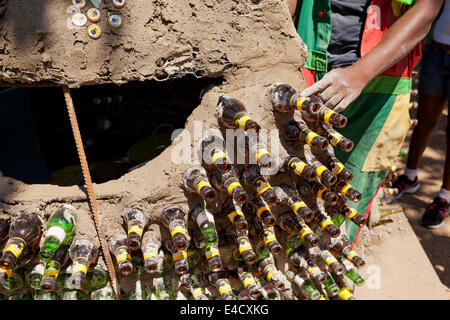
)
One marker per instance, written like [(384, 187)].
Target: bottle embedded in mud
[(212, 255), (151, 243), (326, 224), (83, 253), (206, 223), (53, 268), (242, 243), (196, 180), (341, 246), (347, 190), (289, 197), (234, 115), (248, 281), (175, 219), (25, 232), (261, 210), (34, 277), (179, 257), (257, 153), (334, 266), (213, 152), (352, 274), (338, 140), (135, 221), (318, 190), (300, 278), (292, 223), (285, 98), (300, 168), (337, 167), (267, 235), (327, 177), (345, 294), (220, 280), (61, 226), (329, 116), (5, 223), (197, 288), (233, 187), (271, 273), (353, 215), (96, 278), (234, 214), (299, 131), (118, 246), (252, 177), (331, 288)]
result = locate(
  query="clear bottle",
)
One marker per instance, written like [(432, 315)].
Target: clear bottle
[(13, 282), (61, 227), (233, 115), (174, 218), (105, 293), (289, 197), (70, 294), (179, 258), (253, 177), (285, 98), (40, 295), (25, 231), (292, 223), (262, 211), (151, 243), (206, 223), (234, 214), (83, 253), (53, 267), (195, 180), (271, 273), (118, 246), (135, 220), (298, 131), (34, 277)]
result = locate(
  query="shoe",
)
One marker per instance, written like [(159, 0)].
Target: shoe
[(435, 214), (404, 185)]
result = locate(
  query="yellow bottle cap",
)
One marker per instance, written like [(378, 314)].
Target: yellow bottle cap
[(94, 31), (94, 15), (79, 19), (115, 21), (119, 3), (79, 3)]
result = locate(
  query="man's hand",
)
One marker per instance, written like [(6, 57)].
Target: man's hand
[(338, 88)]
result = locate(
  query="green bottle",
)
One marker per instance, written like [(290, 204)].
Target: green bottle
[(163, 288), (193, 257), (53, 268), (139, 292), (331, 287), (262, 251), (13, 283), (165, 263), (338, 219), (96, 278), (205, 221), (352, 274), (105, 293), (301, 279), (292, 241), (21, 296), (34, 277), (40, 295), (70, 294), (61, 227)]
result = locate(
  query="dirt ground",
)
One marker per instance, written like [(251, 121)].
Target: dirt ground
[(436, 242)]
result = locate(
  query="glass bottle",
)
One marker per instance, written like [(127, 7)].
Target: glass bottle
[(135, 220), (233, 115), (234, 214), (289, 197), (206, 223), (195, 180), (151, 244), (174, 218), (83, 253), (53, 267), (118, 246)]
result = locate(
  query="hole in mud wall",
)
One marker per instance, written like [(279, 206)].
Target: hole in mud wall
[(122, 127)]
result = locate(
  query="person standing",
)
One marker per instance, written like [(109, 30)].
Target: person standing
[(434, 94)]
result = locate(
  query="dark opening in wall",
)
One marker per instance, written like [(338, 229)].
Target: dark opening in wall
[(122, 126)]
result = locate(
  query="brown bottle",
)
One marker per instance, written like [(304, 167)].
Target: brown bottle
[(334, 266), (242, 243), (338, 140), (284, 98), (261, 210), (252, 177), (247, 280), (267, 235), (234, 214), (353, 215), (271, 273), (25, 231), (292, 223), (213, 152), (289, 197), (174, 218), (256, 153), (300, 168), (347, 190), (196, 180), (331, 117), (337, 167), (5, 223), (299, 131), (327, 225), (231, 184), (341, 246), (219, 279), (317, 190), (233, 115), (301, 258), (326, 176)]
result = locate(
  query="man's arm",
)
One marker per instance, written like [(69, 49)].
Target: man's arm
[(292, 6), (341, 86)]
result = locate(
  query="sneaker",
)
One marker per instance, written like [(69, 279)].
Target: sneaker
[(435, 214), (404, 185)]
